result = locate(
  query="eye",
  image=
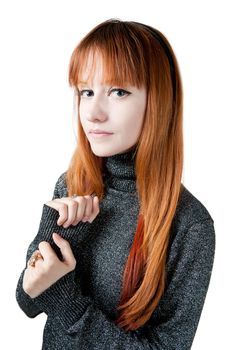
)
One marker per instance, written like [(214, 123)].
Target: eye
[(85, 93), (120, 92)]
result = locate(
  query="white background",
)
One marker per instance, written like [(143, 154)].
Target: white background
[(37, 132)]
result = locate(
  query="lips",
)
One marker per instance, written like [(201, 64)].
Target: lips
[(100, 132)]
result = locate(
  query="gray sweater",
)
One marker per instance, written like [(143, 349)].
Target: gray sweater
[(81, 306)]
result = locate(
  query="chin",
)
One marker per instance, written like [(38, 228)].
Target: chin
[(104, 152)]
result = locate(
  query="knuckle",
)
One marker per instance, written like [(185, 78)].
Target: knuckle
[(41, 244), (62, 218), (49, 266), (79, 217), (87, 213), (67, 223), (73, 204), (63, 206), (50, 263), (81, 199), (73, 264), (87, 196), (66, 243)]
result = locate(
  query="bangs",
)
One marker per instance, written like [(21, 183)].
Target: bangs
[(122, 56)]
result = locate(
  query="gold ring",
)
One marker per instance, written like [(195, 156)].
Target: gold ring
[(35, 256)]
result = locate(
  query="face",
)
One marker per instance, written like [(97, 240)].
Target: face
[(116, 111)]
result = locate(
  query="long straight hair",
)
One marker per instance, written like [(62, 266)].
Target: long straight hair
[(139, 55)]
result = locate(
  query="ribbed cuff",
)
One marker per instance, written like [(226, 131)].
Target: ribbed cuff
[(64, 300), (24, 300), (48, 225)]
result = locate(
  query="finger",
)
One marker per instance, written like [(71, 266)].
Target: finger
[(88, 209), (85, 209), (95, 209), (68, 256), (47, 251), (72, 212), (53, 204), (36, 255), (62, 206), (63, 211), (82, 203)]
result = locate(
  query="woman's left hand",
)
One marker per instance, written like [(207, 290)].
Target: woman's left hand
[(48, 269)]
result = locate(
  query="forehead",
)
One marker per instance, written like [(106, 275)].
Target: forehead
[(103, 69), (92, 68), (107, 68)]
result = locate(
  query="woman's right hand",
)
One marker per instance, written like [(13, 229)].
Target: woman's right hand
[(74, 210)]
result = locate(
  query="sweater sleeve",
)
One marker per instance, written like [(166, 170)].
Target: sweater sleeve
[(23, 299), (174, 322)]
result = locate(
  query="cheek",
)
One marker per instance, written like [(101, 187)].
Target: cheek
[(81, 111), (82, 114), (132, 117)]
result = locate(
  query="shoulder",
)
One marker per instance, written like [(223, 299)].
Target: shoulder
[(192, 239), (192, 224), (60, 189), (190, 210)]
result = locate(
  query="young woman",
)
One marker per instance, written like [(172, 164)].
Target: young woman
[(124, 252)]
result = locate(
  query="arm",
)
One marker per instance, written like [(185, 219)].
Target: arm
[(25, 302), (189, 271), (174, 322)]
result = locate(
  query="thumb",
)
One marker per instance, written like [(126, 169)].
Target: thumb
[(63, 244)]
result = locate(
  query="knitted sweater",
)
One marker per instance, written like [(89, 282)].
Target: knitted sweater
[(81, 306)]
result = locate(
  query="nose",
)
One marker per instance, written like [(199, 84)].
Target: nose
[(96, 110)]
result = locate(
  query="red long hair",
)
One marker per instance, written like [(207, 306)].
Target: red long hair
[(132, 54)]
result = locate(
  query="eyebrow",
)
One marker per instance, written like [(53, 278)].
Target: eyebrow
[(82, 83)]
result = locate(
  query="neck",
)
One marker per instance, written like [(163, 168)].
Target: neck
[(119, 172)]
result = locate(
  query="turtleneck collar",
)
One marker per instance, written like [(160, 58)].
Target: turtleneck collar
[(119, 171)]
